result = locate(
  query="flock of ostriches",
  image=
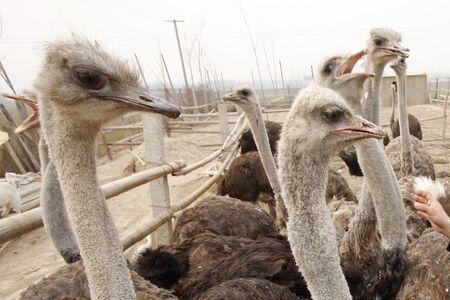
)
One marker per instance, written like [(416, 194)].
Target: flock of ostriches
[(319, 240)]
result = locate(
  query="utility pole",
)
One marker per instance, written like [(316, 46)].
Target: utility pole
[(186, 83)]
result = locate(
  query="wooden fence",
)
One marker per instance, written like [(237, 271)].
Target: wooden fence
[(19, 224)]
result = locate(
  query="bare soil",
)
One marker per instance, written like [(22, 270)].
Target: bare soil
[(31, 257)]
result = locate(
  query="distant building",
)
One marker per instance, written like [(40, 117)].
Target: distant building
[(416, 89)]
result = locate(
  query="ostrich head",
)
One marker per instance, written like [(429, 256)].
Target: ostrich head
[(336, 74), (93, 86), (399, 65), (321, 119), (243, 96), (384, 46)]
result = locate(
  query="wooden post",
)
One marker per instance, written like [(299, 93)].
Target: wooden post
[(27, 156), (445, 114), (159, 188), (437, 88), (107, 147), (174, 95), (223, 120), (15, 158), (289, 93)]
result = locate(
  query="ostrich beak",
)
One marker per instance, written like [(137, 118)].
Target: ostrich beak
[(232, 97), (145, 102), (343, 72), (32, 120), (347, 65), (394, 51), (360, 129)]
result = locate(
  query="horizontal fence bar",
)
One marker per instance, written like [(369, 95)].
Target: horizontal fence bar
[(19, 224)]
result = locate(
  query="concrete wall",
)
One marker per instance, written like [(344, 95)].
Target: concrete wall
[(416, 89)]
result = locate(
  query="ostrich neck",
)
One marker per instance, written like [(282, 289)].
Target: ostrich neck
[(54, 212), (72, 150), (406, 146), (310, 230), (372, 105), (384, 193), (392, 118), (258, 129)]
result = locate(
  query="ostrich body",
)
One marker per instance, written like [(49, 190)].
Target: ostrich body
[(242, 288), (428, 273), (174, 265), (247, 143), (224, 216), (415, 129), (70, 282), (319, 123), (247, 180), (82, 87), (265, 258)]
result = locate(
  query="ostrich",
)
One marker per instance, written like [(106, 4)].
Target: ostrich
[(265, 258), (249, 175), (414, 125), (166, 265), (414, 159), (70, 282), (198, 263), (319, 123), (247, 143), (360, 247), (223, 216), (247, 100), (80, 88)]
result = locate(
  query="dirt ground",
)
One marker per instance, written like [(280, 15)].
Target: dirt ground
[(29, 258)]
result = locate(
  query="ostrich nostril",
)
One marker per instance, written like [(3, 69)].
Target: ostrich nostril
[(145, 99)]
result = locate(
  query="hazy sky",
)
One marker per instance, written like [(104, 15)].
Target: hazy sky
[(299, 33)]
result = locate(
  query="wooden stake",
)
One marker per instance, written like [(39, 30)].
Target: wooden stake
[(159, 188)]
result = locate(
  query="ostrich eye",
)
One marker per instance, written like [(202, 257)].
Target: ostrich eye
[(245, 93), (378, 42), (328, 68), (89, 79), (332, 114)]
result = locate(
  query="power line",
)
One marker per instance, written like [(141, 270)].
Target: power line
[(234, 35)]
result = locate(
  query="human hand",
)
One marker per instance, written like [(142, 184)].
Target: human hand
[(429, 208)]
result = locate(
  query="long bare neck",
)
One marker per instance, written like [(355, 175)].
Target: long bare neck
[(372, 103), (72, 150), (406, 149), (385, 196), (392, 118), (311, 233), (255, 119)]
